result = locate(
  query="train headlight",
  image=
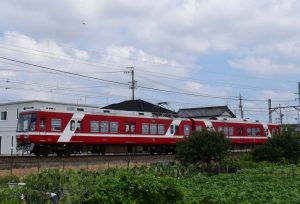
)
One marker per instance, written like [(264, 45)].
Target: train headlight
[(26, 136), (18, 137)]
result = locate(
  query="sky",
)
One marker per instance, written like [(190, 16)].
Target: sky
[(188, 53)]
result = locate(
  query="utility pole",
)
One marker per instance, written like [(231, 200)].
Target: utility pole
[(299, 93), (132, 85), (241, 107), (270, 110), (281, 115)]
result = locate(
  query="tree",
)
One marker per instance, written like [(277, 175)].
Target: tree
[(203, 146), (285, 145)]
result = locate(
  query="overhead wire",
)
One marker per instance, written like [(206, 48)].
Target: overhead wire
[(116, 82)]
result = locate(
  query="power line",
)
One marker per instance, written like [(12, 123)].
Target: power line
[(61, 71), (119, 83)]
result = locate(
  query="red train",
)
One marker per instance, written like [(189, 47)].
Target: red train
[(44, 132)]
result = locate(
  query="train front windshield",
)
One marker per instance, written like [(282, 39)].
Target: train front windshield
[(26, 122)]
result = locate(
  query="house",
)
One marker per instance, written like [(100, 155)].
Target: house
[(206, 112), (140, 106)]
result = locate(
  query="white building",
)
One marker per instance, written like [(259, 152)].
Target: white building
[(9, 117)]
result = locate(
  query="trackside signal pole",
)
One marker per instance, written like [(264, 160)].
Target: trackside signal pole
[(132, 85)]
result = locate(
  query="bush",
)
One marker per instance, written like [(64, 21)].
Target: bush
[(131, 188), (282, 147), (203, 146)]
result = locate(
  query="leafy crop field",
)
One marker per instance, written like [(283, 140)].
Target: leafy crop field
[(159, 183)]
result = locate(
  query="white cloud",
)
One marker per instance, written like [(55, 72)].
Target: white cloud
[(279, 95), (263, 67), (208, 90)]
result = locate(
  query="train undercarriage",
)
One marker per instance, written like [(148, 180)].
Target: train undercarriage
[(68, 149)]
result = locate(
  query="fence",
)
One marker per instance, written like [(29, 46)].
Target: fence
[(26, 168)]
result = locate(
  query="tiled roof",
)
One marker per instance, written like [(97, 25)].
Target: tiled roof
[(214, 111), (138, 105)]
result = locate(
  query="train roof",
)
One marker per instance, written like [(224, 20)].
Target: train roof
[(99, 111), (108, 112)]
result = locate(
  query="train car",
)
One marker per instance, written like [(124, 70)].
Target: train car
[(44, 132), (243, 134)]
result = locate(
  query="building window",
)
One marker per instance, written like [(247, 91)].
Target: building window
[(12, 145), (104, 126), (3, 115), (145, 128), (114, 126), (55, 124), (161, 129), (186, 130), (153, 129), (94, 126)]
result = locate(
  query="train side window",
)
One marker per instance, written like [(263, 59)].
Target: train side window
[(153, 129), (127, 127), (186, 130), (161, 129), (145, 128), (42, 124), (226, 131), (230, 131), (132, 128), (172, 129), (220, 129), (258, 131), (72, 125), (55, 124), (114, 126), (78, 125), (248, 131), (104, 126), (94, 126), (253, 131), (198, 128), (240, 131), (274, 131)]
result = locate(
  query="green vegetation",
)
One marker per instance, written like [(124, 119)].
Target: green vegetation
[(161, 183), (282, 147), (253, 182), (203, 146)]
